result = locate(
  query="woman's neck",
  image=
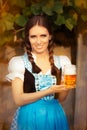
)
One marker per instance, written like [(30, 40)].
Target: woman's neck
[(41, 55)]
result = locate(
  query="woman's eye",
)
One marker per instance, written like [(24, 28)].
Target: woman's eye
[(43, 35)]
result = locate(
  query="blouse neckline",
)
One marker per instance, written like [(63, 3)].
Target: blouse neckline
[(29, 66), (48, 71)]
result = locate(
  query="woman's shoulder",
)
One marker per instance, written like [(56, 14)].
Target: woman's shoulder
[(15, 68), (16, 59), (62, 57), (16, 62), (62, 60)]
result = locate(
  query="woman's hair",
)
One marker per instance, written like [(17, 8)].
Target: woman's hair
[(41, 21)]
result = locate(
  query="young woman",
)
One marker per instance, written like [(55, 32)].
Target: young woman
[(36, 78)]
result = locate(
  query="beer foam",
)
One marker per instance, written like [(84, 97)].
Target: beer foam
[(70, 70)]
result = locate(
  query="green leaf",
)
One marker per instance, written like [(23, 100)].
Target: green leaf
[(47, 10), (84, 17), (27, 11), (36, 8), (60, 20), (58, 7), (9, 25), (69, 24), (8, 21), (20, 20), (75, 16)]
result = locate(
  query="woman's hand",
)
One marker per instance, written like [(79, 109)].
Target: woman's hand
[(58, 88), (61, 90)]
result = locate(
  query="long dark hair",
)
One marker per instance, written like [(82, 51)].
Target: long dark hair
[(42, 21)]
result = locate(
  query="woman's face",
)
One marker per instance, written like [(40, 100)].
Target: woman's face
[(39, 39)]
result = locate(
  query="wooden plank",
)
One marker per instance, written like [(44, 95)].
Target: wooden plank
[(80, 117)]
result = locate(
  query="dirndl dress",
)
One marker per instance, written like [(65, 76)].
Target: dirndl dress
[(44, 114)]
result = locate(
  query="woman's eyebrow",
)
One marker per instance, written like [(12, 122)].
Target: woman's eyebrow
[(32, 35), (43, 34)]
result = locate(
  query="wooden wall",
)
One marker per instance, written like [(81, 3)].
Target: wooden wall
[(7, 105), (80, 117)]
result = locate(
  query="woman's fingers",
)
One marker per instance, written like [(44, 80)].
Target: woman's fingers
[(60, 88)]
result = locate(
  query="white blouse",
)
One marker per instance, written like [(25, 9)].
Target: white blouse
[(16, 66)]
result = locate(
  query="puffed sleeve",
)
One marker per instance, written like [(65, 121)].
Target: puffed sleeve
[(64, 60), (61, 61), (15, 68)]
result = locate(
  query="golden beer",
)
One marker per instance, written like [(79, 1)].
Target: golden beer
[(70, 75), (70, 80)]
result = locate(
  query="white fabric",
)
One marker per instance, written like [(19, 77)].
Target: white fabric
[(64, 60), (16, 66)]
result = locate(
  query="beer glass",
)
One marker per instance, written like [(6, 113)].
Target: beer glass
[(70, 75)]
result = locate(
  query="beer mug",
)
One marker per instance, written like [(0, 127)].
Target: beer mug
[(70, 75)]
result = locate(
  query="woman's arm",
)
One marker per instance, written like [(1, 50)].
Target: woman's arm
[(22, 98), (63, 95)]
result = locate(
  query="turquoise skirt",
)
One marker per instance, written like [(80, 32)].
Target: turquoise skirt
[(40, 115)]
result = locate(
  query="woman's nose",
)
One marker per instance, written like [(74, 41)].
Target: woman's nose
[(38, 40)]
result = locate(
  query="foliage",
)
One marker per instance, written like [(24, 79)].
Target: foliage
[(15, 13)]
